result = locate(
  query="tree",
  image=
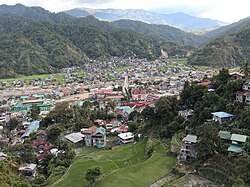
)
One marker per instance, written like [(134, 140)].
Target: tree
[(245, 120), (221, 78), (148, 113), (186, 94), (24, 151), (92, 174), (35, 111), (208, 141), (246, 148), (165, 110), (54, 132), (245, 68), (133, 126), (12, 124)]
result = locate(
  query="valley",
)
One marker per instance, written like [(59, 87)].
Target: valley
[(107, 97)]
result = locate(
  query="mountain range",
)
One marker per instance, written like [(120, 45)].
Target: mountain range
[(178, 20), (34, 41)]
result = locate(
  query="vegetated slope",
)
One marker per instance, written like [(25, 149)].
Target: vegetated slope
[(230, 49), (178, 20), (35, 49), (43, 43), (163, 32)]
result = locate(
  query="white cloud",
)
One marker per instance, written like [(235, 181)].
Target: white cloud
[(224, 10)]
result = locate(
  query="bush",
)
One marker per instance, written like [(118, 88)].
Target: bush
[(91, 175), (150, 146)]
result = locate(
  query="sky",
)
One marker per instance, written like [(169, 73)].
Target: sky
[(223, 10)]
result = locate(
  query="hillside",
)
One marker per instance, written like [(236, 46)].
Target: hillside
[(230, 49), (163, 32), (178, 20), (35, 41)]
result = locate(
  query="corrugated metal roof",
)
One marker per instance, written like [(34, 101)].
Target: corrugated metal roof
[(234, 148), (239, 138), (190, 138), (226, 135), (222, 114)]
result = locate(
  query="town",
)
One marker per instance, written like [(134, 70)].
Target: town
[(117, 106)]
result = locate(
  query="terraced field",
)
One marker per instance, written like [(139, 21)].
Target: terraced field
[(122, 166)]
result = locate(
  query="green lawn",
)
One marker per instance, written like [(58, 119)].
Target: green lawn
[(82, 151), (202, 67), (75, 176), (80, 73), (123, 166), (59, 77), (124, 68), (141, 174), (177, 59)]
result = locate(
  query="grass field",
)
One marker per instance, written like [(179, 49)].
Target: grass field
[(141, 174), (122, 166), (124, 68), (59, 77)]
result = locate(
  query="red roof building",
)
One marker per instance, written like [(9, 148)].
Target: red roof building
[(90, 130)]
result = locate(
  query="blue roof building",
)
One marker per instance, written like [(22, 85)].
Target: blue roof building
[(222, 117), (33, 127)]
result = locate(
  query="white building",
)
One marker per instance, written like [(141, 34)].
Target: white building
[(127, 137)]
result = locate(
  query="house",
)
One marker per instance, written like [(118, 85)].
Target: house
[(4, 119), (94, 136), (99, 138), (75, 138), (246, 86), (127, 137), (28, 171), (244, 96), (225, 136), (188, 152), (3, 156), (120, 129), (186, 114), (237, 142), (236, 75), (222, 117), (139, 94), (88, 135)]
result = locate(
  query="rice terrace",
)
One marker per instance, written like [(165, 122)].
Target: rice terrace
[(122, 166)]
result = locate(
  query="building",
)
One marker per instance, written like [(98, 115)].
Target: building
[(237, 142), (225, 136), (222, 117), (33, 127), (186, 114), (236, 75), (3, 156), (139, 94), (188, 152), (75, 138), (94, 136), (127, 137), (244, 96), (99, 138), (28, 171)]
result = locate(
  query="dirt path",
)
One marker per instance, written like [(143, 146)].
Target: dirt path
[(191, 180), (161, 181)]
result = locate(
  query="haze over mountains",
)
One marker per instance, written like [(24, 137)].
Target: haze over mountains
[(178, 20), (34, 41)]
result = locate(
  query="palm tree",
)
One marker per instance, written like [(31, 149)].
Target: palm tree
[(245, 68)]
